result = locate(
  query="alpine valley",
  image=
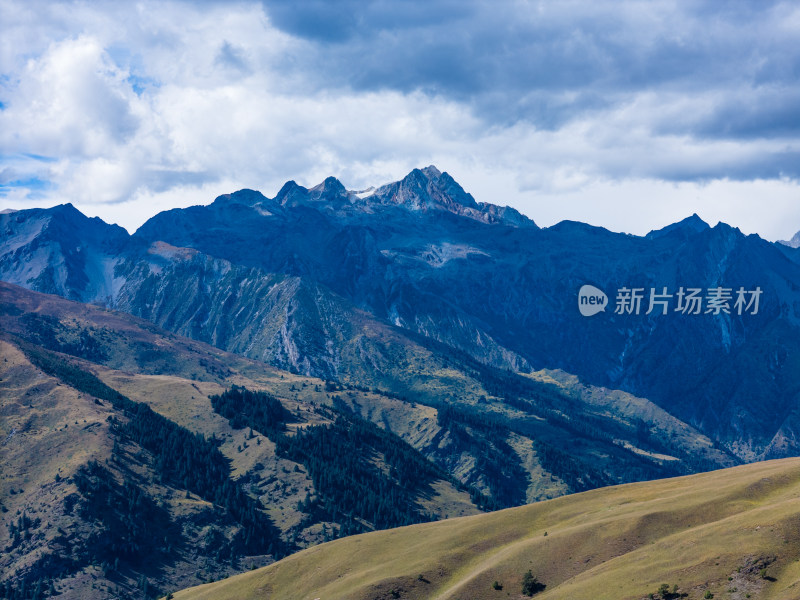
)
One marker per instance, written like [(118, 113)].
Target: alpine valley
[(237, 382)]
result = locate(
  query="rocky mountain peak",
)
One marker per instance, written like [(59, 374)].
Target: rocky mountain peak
[(330, 189), (687, 227), (424, 190), (62, 222), (792, 243), (243, 196), (431, 172)]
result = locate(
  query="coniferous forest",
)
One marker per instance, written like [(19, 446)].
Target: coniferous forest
[(364, 477)]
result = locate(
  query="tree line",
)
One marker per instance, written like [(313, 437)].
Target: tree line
[(364, 477)]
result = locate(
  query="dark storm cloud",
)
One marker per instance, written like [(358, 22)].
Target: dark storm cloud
[(766, 165), (764, 113), (549, 63)]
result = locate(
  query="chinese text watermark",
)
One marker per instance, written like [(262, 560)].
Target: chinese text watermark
[(686, 301)]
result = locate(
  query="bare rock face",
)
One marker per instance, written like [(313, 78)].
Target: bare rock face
[(60, 251), (792, 243)]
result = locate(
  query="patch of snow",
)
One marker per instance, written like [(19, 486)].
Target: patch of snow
[(438, 256), (370, 191)]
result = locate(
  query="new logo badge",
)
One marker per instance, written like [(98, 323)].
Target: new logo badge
[(591, 300)]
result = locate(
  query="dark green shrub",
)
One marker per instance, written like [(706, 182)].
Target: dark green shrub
[(530, 585)]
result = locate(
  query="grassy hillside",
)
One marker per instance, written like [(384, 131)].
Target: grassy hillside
[(733, 533)]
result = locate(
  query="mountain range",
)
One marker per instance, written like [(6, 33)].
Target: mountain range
[(444, 332), (286, 280)]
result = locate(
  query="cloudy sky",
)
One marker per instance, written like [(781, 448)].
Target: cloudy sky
[(630, 115)]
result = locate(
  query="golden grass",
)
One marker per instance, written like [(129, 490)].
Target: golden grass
[(618, 543), (48, 429)]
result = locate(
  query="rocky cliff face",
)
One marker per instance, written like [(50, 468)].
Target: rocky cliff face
[(61, 251), (792, 243), (298, 279)]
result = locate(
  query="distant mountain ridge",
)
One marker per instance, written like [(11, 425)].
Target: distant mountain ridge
[(422, 190), (293, 280), (792, 243)]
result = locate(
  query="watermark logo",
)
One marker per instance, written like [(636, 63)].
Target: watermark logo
[(591, 300), (686, 301)]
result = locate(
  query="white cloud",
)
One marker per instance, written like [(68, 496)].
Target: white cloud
[(146, 106), (770, 208), (72, 101)]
